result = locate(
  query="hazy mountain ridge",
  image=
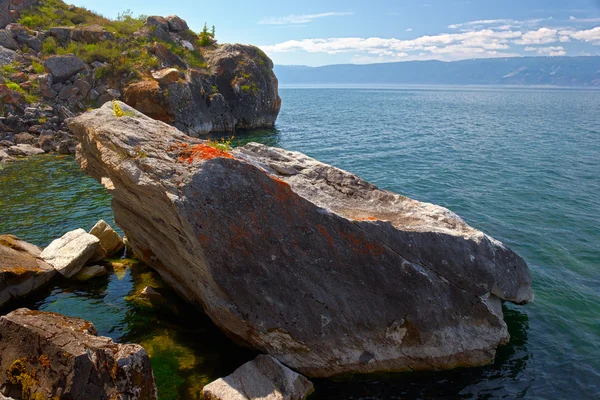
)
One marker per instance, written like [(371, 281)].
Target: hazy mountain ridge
[(559, 71)]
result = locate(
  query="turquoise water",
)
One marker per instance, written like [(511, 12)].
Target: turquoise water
[(521, 164)]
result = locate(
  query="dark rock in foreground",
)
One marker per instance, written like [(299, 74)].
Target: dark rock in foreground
[(304, 261), (262, 378), (47, 355)]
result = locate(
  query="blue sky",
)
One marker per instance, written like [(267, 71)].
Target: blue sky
[(314, 32)]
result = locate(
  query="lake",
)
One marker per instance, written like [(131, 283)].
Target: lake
[(521, 164)]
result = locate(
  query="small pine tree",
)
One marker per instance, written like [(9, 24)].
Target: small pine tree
[(205, 38), (212, 32)]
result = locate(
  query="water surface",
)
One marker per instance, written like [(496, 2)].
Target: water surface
[(521, 164)]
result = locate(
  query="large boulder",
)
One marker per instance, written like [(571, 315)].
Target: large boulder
[(262, 378), (46, 355), (21, 270), (69, 253), (64, 67), (176, 24), (299, 259), (244, 76)]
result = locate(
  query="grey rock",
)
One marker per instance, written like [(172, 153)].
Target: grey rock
[(69, 360), (23, 150), (21, 270), (176, 24), (7, 41), (24, 138), (114, 93), (69, 254), (94, 94), (61, 33), (68, 92), (262, 378), (83, 86), (46, 142), (157, 21), (314, 266), (64, 67), (7, 56)]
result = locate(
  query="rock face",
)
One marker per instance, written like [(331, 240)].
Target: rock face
[(262, 378), (46, 355), (239, 92), (304, 261), (70, 253), (21, 270)]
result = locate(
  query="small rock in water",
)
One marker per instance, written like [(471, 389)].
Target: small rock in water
[(68, 360), (87, 273), (70, 253), (262, 378), (110, 240)]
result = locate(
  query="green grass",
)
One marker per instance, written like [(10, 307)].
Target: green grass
[(29, 97), (37, 67), (51, 13)]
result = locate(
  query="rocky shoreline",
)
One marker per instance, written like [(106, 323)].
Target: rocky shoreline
[(49, 73)]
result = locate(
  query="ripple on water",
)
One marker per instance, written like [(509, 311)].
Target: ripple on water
[(520, 164)]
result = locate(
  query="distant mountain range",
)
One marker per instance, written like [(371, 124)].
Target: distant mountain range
[(559, 71)]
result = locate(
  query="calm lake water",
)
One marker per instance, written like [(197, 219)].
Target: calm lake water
[(520, 164)]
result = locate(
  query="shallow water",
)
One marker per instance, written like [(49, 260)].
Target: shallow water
[(521, 164)]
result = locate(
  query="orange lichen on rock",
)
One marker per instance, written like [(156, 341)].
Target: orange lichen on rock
[(189, 154), (366, 219), (363, 246)]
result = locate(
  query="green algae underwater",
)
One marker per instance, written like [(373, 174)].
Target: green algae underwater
[(521, 164)]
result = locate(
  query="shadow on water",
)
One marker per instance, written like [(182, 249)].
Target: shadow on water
[(464, 383)]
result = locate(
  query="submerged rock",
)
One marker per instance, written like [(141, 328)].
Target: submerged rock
[(262, 378), (299, 259), (47, 355), (87, 273), (70, 253), (21, 270)]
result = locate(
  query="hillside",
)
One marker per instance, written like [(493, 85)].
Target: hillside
[(58, 60), (559, 71)]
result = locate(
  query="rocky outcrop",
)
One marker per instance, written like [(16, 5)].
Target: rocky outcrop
[(306, 262), (47, 355), (262, 378), (10, 10), (238, 91), (69, 253), (162, 68), (21, 270)]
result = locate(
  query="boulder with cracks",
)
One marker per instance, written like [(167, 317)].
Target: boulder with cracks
[(299, 259)]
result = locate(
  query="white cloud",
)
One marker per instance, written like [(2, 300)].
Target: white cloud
[(409, 30), (572, 18), (502, 24), (484, 43), (552, 51), (590, 35), (541, 36), (299, 19)]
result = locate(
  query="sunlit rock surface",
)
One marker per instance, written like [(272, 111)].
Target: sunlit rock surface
[(21, 270), (299, 259), (262, 378), (47, 355)]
